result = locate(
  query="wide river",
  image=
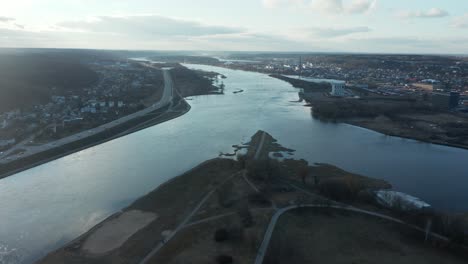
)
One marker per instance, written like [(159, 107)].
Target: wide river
[(47, 206)]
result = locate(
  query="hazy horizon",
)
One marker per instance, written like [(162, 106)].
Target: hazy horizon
[(342, 26)]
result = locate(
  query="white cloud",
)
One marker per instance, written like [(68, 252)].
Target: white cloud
[(4, 19), (461, 21), (146, 26), (326, 6), (251, 41), (361, 6), (431, 13), (279, 3), (338, 32)]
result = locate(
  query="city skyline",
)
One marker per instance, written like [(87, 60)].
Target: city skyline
[(263, 25)]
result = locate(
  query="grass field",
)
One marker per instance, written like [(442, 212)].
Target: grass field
[(331, 236)]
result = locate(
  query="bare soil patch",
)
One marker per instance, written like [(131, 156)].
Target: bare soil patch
[(114, 233)]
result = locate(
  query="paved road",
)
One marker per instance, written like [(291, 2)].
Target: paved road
[(166, 99), (266, 240), (260, 146)]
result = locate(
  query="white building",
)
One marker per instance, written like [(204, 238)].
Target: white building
[(338, 89)]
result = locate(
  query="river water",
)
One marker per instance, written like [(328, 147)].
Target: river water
[(49, 205)]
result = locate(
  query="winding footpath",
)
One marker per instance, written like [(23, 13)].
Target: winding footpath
[(260, 146), (185, 222)]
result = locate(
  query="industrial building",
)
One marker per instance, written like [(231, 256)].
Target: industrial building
[(338, 89)]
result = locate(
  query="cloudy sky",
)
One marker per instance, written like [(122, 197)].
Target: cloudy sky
[(393, 26)]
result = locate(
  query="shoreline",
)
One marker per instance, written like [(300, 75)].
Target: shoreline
[(202, 175), (364, 122), (395, 135), (80, 239), (122, 129), (224, 194)]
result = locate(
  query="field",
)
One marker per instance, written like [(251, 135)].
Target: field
[(328, 236)]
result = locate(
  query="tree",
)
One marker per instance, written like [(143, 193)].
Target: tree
[(221, 235), (303, 173), (242, 159), (224, 259), (245, 215), (224, 194)]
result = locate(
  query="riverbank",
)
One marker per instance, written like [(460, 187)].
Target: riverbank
[(219, 210), (171, 104), (120, 130), (393, 116)]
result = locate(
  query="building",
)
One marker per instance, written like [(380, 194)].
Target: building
[(445, 101), (338, 89), (429, 87)]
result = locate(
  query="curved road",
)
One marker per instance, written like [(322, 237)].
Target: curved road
[(166, 99), (269, 232)]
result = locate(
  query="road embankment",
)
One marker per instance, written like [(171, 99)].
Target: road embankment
[(133, 125)]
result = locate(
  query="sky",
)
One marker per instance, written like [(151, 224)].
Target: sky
[(384, 26)]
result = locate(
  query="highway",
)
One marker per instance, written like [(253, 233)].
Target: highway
[(166, 100)]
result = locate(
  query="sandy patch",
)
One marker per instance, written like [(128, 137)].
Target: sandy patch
[(112, 234)]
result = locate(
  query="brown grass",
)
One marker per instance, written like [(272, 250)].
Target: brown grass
[(329, 236)]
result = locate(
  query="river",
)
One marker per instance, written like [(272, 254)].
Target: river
[(49, 205)]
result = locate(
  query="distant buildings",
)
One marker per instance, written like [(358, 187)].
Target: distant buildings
[(338, 89), (429, 86)]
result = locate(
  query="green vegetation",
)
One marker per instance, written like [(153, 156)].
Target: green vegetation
[(191, 83), (336, 109), (185, 59)]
